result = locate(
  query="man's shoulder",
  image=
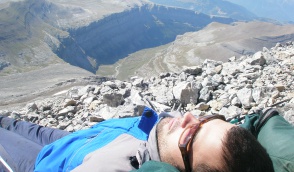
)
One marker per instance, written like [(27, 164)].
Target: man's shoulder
[(275, 134)]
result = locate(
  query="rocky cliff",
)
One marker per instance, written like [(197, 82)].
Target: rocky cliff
[(237, 87), (117, 35), (38, 33)]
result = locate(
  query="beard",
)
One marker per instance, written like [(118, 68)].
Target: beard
[(161, 133), (163, 145)]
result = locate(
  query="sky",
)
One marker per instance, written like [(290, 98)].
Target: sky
[(282, 10)]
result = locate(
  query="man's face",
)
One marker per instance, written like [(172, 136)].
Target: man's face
[(206, 148)]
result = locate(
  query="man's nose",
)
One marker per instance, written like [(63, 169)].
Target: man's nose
[(188, 119)]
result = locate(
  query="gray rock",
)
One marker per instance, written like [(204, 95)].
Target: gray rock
[(202, 106), (258, 59), (257, 94), (215, 105), (111, 84), (232, 59), (4, 64), (105, 89), (70, 128), (197, 113), (113, 100), (205, 94), (162, 94), (280, 87), (186, 92), (231, 69), (96, 90), (106, 112), (67, 110), (63, 125), (69, 102), (16, 115), (217, 80), (164, 75), (136, 97), (31, 107), (89, 100), (195, 70), (96, 119), (245, 96)]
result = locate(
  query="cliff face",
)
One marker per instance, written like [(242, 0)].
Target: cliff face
[(42, 32), (116, 36)]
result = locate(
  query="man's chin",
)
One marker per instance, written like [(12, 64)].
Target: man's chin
[(163, 122), (162, 126)]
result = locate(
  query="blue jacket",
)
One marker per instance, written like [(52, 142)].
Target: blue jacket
[(96, 147)]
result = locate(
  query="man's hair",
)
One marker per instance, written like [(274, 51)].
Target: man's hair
[(241, 152)]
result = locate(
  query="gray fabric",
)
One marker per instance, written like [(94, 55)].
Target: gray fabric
[(152, 140), (152, 145), (142, 154), (112, 157)]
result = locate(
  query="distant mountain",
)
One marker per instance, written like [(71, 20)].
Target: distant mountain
[(216, 41), (281, 10), (212, 7), (37, 33), (89, 33), (32, 31)]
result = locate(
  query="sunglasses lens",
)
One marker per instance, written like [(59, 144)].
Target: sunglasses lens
[(187, 135)]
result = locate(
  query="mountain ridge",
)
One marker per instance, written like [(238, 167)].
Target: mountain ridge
[(31, 26), (274, 9), (216, 41), (212, 8)]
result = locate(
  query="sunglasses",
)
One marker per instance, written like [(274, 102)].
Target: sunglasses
[(185, 141)]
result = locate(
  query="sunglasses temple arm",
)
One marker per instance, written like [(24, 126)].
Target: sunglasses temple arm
[(187, 165)]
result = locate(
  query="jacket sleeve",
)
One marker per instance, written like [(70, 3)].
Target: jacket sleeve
[(276, 135)]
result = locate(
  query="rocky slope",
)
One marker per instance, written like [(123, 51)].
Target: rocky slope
[(236, 87)]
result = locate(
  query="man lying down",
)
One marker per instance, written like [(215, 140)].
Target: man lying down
[(151, 142)]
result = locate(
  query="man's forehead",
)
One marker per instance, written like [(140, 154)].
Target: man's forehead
[(208, 142), (216, 126)]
